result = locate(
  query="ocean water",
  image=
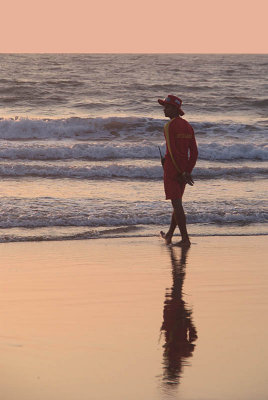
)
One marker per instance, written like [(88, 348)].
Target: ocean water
[(79, 137)]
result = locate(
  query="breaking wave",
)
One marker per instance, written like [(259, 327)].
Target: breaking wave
[(109, 128), (117, 150), (122, 171)]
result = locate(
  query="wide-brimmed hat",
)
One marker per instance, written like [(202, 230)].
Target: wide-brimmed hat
[(174, 101)]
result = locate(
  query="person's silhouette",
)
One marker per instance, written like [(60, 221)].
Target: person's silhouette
[(178, 327)]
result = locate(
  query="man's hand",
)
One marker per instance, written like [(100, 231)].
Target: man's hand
[(187, 178)]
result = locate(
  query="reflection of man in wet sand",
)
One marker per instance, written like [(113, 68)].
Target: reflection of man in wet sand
[(178, 164), (178, 327)]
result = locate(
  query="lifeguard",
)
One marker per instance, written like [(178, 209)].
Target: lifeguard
[(180, 159)]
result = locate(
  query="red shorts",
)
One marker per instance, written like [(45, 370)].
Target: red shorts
[(173, 189)]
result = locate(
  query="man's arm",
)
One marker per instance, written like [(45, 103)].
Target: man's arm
[(192, 160), (193, 154), (184, 176), (170, 138)]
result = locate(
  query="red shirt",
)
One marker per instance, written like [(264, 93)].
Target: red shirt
[(181, 145)]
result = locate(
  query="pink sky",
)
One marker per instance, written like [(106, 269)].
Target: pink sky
[(190, 26)]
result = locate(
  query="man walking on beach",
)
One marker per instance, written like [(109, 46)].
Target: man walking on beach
[(180, 159)]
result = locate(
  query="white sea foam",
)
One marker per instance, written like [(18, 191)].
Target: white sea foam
[(112, 127), (75, 128), (122, 150), (76, 212), (32, 236), (238, 151), (150, 217), (122, 171)]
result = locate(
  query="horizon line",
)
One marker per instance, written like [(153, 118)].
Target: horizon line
[(128, 53)]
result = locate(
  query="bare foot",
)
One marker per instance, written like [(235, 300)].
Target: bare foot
[(166, 237)]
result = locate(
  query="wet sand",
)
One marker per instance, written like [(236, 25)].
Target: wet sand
[(125, 319)]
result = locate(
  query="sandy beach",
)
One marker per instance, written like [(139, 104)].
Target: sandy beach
[(125, 319)]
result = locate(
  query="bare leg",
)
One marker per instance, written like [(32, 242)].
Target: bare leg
[(168, 236), (181, 221), (178, 219)]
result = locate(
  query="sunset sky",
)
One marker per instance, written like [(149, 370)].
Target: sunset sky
[(192, 26)]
